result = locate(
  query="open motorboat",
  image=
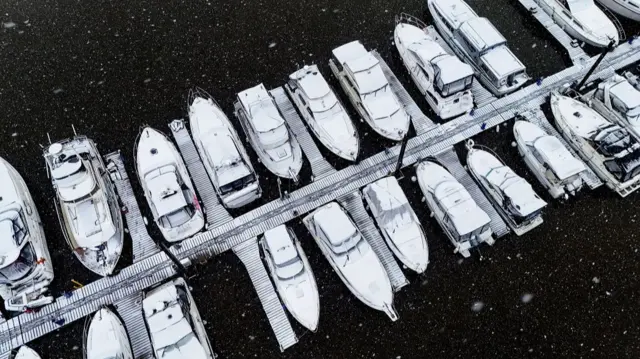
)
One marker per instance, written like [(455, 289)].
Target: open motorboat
[(292, 275), (552, 163), (511, 194), (369, 91), (174, 324), (26, 353), (268, 133), (25, 264), (351, 257), (223, 155), (167, 186), (477, 42), (466, 224), (441, 77), (627, 8), (107, 337), (618, 100), (608, 148), (323, 112), (398, 222), (86, 203)]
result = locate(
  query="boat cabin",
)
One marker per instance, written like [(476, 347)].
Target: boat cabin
[(169, 197), (618, 94), (223, 156), (559, 162), (17, 257), (316, 95), (338, 231), (283, 253), (461, 214), (623, 151), (449, 74), (518, 198), (74, 180)]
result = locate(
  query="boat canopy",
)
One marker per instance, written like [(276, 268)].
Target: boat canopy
[(13, 232), (516, 189), (166, 193), (454, 12), (73, 179), (459, 207), (89, 216), (612, 140), (502, 62), (481, 34), (367, 74), (628, 96), (338, 228), (283, 252), (556, 155)]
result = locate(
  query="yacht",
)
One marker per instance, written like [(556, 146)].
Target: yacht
[(351, 257), (627, 8), (442, 78), (292, 274), (268, 133), (26, 353), (86, 203), (466, 224), (25, 264), (477, 42), (107, 337), (511, 194), (167, 186), (398, 222), (324, 113), (369, 91), (223, 155), (618, 100)]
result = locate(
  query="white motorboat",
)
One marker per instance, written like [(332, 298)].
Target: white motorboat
[(442, 78), (223, 155), (612, 153), (512, 195), (26, 353), (86, 203), (292, 274), (324, 113), (551, 162), (398, 222), (167, 186), (466, 224), (369, 91), (627, 8), (268, 133), (107, 337), (174, 324), (477, 42), (617, 99), (351, 257), (25, 264)]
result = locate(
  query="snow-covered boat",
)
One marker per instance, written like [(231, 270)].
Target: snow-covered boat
[(268, 133), (324, 113), (174, 324), (477, 42), (167, 186), (351, 257), (512, 195), (292, 274), (627, 8), (466, 224), (26, 353), (398, 222), (442, 78), (609, 149), (86, 203), (547, 157), (369, 91), (618, 100), (107, 337), (223, 155)]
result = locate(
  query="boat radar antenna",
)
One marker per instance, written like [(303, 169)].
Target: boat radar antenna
[(49, 137), (74, 130)]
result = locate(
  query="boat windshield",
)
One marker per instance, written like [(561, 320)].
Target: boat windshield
[(382, 89), (274, 138), (21, 267), (238, 184), (347, 245), (177, 218), (633, 112), (12, 225), (453, 87)]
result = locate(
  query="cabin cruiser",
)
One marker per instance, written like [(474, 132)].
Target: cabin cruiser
[(477, 42), (86, 203), (174, 324), (551, 162), (369, 90), (223, 155), (627, 8), (167, 186), (25, 264), (511, 194), (442, 78), (618, 99), (351, 257), (292, 274), (398, 222), (25, 353), (466, 224), (323, 112), (608, 148), (107, 337), (267, 132)]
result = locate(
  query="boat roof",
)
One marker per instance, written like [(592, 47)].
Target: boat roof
[(502, 62), (626, 93), (463, 211), (261, 110), (165, 190), (481, 34), (387, 194), (8, 190), (311, 82), (427, 50), (349, 51), (452, 69), (583, 120), (558, 157), (280, 245), (335, 224), (455, 12)]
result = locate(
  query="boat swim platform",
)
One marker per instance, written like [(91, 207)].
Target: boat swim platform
[(158, 267)]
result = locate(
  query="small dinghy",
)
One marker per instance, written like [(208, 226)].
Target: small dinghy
[(618, 99), (26, 353), (323, 112), (466, 224), (552, 163), (107, 337), (627, 8), (292, 274), (86, 203), (25, 264), (268, 133), (398, 222), (351, 257), (511, 194), (223, 155), (167, 186)]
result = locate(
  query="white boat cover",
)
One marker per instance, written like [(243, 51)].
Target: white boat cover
[(11, 243), (584, 121), (626, 93), (283, 251), (335, 224), (590, 16), (26, 353), (107, 337), (165, 190)]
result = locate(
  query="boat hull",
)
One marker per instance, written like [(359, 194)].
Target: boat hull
[(107, 336), (621, 9), (26, 353)]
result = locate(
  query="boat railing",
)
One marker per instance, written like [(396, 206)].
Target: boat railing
[(405, 18), (470, 145), (199, 92), (622, 36)]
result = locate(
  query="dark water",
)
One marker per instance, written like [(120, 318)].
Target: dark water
[(567, 289)]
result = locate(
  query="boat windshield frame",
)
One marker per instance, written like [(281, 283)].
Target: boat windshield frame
[(28, 261), (237, 184)]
